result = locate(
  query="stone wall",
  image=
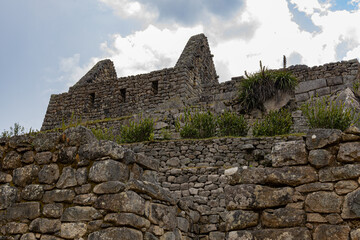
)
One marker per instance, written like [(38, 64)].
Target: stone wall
[(72, 186)]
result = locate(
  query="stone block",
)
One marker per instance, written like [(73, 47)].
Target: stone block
[(320, 158), (49, 174), (109, 170), (127, 219), (73, 230), (78, 214), (12, 160), (323, 202), (319, 138), (98, 149), (314, 187), (250, 196), (349, 152), (336, 80), (326, 231), (45, 225), (25, 175), (8, 196), (43, 158), (115, 233), (26, 210), (283, 217), (53, 210), (274, 234), (322, 91), (302, 97), (345, 186), (330, 174), (239, 219), (109, 187), (33, 192), (288, 154), (351, 205), (67, 178), (162, 215), (59, 195), (16, 228), (310, 85)]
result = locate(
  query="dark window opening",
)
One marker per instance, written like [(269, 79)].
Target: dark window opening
[(155, 87), (123, 94), (92, 99), (194, 81)]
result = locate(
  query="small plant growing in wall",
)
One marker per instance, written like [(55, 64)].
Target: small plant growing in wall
[(16, 130), (198, 124), (326, 113), (258, 87), (231, 124), (138, 131), (105, 134), (274, 123)]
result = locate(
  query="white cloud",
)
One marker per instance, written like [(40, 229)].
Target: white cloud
[(311, 6)]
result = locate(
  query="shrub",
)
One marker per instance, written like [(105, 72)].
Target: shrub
[(231, 124), (325, 113), (198, 124), (14, 131), (256, 88), (105, 134), (275, 123), (138, 131)]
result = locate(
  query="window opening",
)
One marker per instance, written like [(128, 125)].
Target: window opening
[(155, 87), (123, 94)]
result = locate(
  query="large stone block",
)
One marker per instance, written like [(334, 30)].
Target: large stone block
[(239, 219), (98, 149), (349, 152), (78, 214), (33, 192), (73, 230), (8, 196), (330, 174), (288, 154), (49, 174), (109, 170), (16, 228), (283, 217), (320, 158), (273, 234), (26, 210), (250, 196), (59, 195), (109, 187), (67, 178), (319, 138), (45, 225), (307, 86), (25, 175), (12, 160), (292, 176), (351, 206), (325, 231), (114, 233), (162, 215), (314, 187), (323, 202), (122, 202), (127, 219)]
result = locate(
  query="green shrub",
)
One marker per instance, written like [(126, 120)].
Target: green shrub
[(105, 134), (256, 88), (138, 131), (275, 123), (14, 131), (231, 124), (198, 125), (325, 113)]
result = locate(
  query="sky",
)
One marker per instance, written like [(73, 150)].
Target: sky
[(46, 46)]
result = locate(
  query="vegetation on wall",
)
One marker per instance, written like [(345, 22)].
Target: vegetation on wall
[(258, 87), (138, 131), (326, 113), (274, 123), (231, 124)]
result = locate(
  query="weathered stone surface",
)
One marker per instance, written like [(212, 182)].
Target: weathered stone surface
[(320, 158), (315, 217), (291, 176), (46, 141), (162, 215), (5, 178), (12, 160), (16, 228), (183, 224), (45, 225), (316, 186), (319, 138), (108, 170), (151, 189), (273, 234), (144, 161), (81, 176), (49, 237), (53, 210), (28, 236), (25, 175), (33, 192), (323, 202), (307, 86), (59, 195), (150, 236), (109, 187), (28, 157), (67, 178), (121, 202), (334, 218), (67, 155), (289, 153), (216, 236), (250, 196), (73, 230), (8, 196), (127, 219), (355, 234), (79, 135), (283, 217), (349, 152), (338, 232), (99, 149), (49, 174), (351, 206), (26, 210), (43, 158), (78, 214), (116, 234), (85, 199), (349, 171), (239, 219), (345, 186)]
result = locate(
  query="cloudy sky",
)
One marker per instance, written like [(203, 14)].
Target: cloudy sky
[(47, 45)]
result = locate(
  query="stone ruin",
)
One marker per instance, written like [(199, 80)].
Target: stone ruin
[(69, 185)]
